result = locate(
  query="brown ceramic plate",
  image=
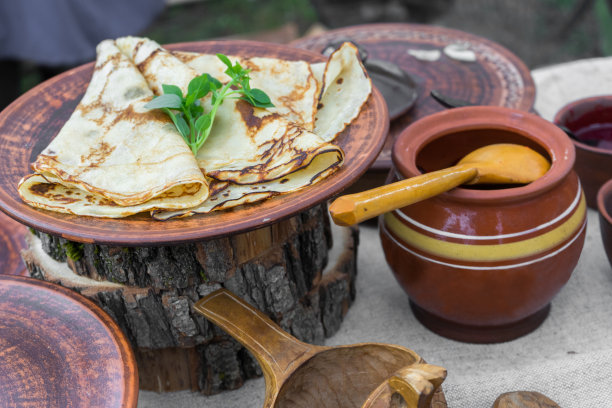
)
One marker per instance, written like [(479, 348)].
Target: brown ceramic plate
[(12, 241), (497, 77), (58, 349), (29, 124)]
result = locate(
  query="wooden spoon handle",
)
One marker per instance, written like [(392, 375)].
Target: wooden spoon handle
[(354, 208), (275, 350), (418, 383)]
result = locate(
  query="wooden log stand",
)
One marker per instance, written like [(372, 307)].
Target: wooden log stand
[(288, 270)]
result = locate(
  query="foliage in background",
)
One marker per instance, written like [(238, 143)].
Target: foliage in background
[(604, 18), (603, 15), (206, 19)]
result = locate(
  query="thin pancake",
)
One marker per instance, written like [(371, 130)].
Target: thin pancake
[(345, 88), (246, 145), (115, 150), (51, 194), (290, 85), (224, 195)]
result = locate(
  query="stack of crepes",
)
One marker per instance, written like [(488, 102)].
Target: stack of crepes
[(114, 158)]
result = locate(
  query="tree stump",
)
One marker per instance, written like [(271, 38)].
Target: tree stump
[(288, 270)]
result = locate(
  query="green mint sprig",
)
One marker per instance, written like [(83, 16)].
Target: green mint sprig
[(186, 111)]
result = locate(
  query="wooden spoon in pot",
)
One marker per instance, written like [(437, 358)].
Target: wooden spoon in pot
[(493, 164)]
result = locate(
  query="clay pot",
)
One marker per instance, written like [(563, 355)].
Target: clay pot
[(604, 206), (481, 265), (593, 161)]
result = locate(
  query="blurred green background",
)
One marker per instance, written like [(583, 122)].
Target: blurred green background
[(540, 32)]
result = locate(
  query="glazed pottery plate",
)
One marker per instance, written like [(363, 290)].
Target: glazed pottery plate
[(12, 241), (58, 349), (398, 88), (457, 64), (30, 123)]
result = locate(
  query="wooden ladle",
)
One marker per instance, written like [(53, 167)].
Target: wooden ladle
[(300, 375), (501, 163)]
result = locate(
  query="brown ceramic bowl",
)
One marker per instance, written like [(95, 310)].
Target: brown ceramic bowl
[(604, 206), (482, 265), (590, 119)]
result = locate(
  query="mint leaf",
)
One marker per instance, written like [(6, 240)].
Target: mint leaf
[(192, 123), (182, 126), (203, 123), (172, 89), (179, 122), (196, 110), (237, 69), (225, 60), (198, 87), (260, 97), (171, 101), (214, 83)]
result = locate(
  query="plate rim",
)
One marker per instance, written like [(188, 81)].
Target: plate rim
[(123, 347), (69, 226)]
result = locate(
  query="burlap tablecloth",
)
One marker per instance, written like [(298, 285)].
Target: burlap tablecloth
[(568, 358)]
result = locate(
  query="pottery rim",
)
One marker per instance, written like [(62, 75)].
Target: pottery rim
[(572, 105), (545, 134)]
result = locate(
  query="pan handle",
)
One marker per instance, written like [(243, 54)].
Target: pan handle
[(417, 383), (277, 352)]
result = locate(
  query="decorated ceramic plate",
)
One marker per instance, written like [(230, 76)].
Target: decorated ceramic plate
[(12, 241), (457, 64), (30, 123), (58, 349)]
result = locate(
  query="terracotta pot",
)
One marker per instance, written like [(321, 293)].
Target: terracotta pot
[(593, 162), (481, 265), (604, 206)]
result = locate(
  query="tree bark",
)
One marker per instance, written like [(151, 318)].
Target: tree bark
[(283, 269)]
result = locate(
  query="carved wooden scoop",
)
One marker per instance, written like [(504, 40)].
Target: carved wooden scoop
[(493, 164), (300, 375)]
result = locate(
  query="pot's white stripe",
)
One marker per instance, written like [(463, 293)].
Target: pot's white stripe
[(486, 268), (564, 214)]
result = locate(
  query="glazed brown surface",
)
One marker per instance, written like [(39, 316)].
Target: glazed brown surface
[(498, 78), (28, 125), (12, 241), (482, 265), (593, 164), (604, 206), (60, 350)]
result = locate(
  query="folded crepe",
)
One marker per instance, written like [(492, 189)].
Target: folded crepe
[(322, 97), (345, 88), (224, 195), (113, 157), (346, 78), (246, 144), (291, 86)]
